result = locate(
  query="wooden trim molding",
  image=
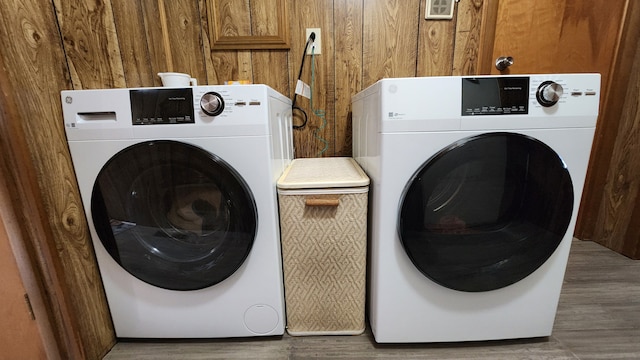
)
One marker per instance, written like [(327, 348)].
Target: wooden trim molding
[(233, 26)]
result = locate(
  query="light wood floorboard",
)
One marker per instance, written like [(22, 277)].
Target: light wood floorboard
[(598, 318)]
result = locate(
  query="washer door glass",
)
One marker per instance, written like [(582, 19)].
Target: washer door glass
[(486, 211), (173, 215)]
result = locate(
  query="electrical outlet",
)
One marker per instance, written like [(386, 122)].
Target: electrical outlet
[(317, 43), (439, 9)]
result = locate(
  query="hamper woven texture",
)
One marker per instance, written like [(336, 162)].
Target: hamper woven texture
[(324, 259)]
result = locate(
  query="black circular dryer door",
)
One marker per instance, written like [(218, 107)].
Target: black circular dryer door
[(173, 215), (486, 211)]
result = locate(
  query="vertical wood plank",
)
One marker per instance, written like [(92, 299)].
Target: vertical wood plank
[(308, 141), (486, 62), (229, 65), (348, 68), (203, 10), (221, 65), (269, 67), (175, 39), (90, 43), (129, 22), (34, 57), (436, 40), (467, 38), (390, 33)]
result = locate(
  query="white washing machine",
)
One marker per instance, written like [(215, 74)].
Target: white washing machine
[(476, 183), (178, 185)]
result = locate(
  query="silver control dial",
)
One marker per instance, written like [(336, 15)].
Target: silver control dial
[(548, 93), (212, 103)]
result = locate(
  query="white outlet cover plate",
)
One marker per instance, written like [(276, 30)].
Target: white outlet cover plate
[(317, 43), (439, 9)]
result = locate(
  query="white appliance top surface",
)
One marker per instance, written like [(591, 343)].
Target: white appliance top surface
[(436, 104), (104, 114)]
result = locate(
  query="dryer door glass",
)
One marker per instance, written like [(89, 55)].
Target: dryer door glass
[(174, 215), (486, 211)]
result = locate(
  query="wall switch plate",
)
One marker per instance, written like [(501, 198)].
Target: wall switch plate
[(317, 43), (439, 9)]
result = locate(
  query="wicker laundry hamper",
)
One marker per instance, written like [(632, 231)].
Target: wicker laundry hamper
[(323, 221)]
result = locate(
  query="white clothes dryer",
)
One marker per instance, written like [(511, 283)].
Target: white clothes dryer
[(178, 185), (476, 183)]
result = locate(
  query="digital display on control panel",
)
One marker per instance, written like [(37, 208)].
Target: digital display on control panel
[(161, 106), (495, 96)]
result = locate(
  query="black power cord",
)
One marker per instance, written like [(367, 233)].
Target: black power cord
[(294, 107)]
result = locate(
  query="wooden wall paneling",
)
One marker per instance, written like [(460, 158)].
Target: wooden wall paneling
[(314, 14), (436, 41), (270, 67), (174, 36), (269, 24), (621, 191), (157, 42), (235, 18), (25, 223), (618, 211), (612, 98), (263, 18), (467, 37), (33, 54), (203, 9), (224, 65), (90, 43), (229, 65), (129, 19), (486, 61), (348, 68), (390, 39), (183, 28), (301, 136)]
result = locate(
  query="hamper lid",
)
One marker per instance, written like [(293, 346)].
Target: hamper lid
[(331, 172)]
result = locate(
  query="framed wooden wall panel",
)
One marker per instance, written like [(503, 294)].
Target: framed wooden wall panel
[(246, 24)]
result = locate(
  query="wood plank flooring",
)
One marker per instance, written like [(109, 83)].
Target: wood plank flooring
[(598, 318)]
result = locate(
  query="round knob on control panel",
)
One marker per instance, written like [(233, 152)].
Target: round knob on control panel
[(212, 103), (548, 93)]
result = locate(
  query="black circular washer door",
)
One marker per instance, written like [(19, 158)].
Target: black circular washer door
[(486, 211), (173, 215)]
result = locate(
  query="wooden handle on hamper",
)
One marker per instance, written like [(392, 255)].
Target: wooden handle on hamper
[(321, 202)]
